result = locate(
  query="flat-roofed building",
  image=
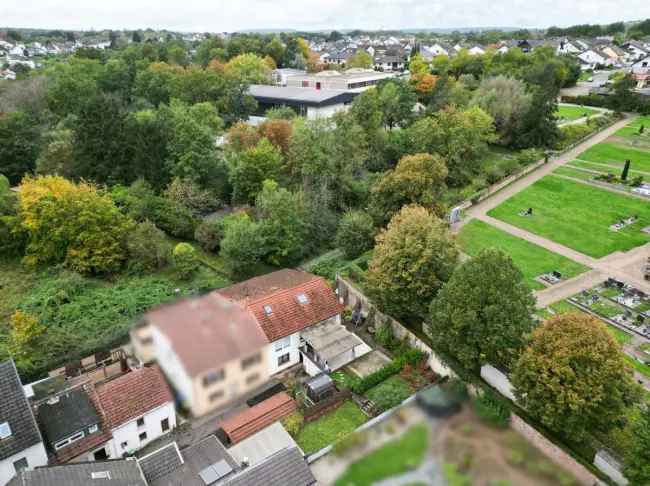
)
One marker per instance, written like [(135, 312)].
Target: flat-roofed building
[(351, 80), (305, 102)]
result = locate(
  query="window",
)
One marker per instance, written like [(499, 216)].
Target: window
[(164, 424), (101, 454), (141, 422), (100, 475), (124, 445), (302, 298), (5, 430), (251, 361), (69, 440), (143, 436), (268, 310), (283, 343), (20, 464), (252, 378), (283, 359), (92, 429), (213, 377), (305, 84), (216, 395), (317, 84)]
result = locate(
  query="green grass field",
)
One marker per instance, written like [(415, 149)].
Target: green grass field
[(605, 168), (631, 131), (573, 112), (331, 427), (577, 216), (531, 259), (616, 155), (575, 173)]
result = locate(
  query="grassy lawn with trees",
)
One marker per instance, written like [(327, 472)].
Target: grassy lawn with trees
[(569, 113), (616, 155), (395, 457), (531, 259), (631, 131), (330, 428), (577, 216)]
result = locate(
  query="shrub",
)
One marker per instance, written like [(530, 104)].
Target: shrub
[(529, 156), (355, 234), (189, 194), (186, 260), (637, 181), (293, 423), (491, 409), (328, 268), (384, 334), (412, 357), (209, 234), (389, 393), (148, 248)]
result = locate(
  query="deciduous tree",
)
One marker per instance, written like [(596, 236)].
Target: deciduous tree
[(250, 168), (355, 234)]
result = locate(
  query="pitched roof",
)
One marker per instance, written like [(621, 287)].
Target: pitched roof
[(161, 462), (208, 332), (16, 412), (258, 417), (132, 395), (281, 313), (119, 472), (71, 412), (284, 467), (264, 285)]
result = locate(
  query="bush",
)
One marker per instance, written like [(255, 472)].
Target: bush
[(384, 334), (355, 234), (189, 194), (209, 234), (491, 409), (328, 268), (148, 248), (637, 181), (529, 156), (186, 260), (293, 423), (412, 357), (389, 393)]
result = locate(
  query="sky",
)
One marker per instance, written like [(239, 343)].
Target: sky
[(234, 15)]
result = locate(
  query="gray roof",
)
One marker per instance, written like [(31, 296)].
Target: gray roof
[(161, 462), (330, 339), (195, 459), (120, 472), (73, 412), (15, 410), (299, 96), (286, 467)]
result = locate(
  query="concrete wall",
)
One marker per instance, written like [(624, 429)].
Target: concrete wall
[(499, 381), (35, 456), (314, 112), (350, 296), (611, 467), (553, 452), (172, 368)]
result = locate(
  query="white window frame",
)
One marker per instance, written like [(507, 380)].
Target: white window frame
[(92, 429), (65, 442)]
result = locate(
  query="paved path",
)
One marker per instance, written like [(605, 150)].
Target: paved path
[(568, 288)]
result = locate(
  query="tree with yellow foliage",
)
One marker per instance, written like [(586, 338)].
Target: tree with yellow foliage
[(24, 331), (74, 224)]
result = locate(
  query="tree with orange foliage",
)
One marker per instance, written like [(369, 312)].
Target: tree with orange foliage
[(242, 136), (278, 132)]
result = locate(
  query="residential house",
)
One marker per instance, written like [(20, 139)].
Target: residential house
[(21, 444), (122, 472), (108, 420), (591, 58), (641, 72), (476, 50), (636, 49), (210, 348)]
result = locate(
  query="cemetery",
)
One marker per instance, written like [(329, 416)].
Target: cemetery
[(539, 266), (577, 215)]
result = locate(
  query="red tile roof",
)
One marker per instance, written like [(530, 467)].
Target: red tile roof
[(258, 417), (288, 315), (209, 331), (264, 285), (132, 395)]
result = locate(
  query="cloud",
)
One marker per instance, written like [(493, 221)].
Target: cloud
[(231, 15)]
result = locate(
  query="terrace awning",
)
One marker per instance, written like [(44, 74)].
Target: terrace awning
[(329, 340)]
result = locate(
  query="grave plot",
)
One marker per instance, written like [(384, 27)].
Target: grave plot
[(577, 215), (541, 268)]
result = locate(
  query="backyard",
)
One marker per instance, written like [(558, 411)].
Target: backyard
[(531, 259), (330, 428), (577, 216)]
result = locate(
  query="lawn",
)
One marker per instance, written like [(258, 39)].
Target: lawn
[(631, 131), (621, 336), (616, 155), (575, 173), (394, 458), (390, 393), (531, 259), (577, 215), (330, 428), (606, 168), (573, 112)]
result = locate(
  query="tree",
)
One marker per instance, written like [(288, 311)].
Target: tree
[(242, 136), (355, 234), (413, 257), (281, 225), (19, 141), (539, 126), (249, 69), (186, 260), (460, 137), (188, 193), (24, 333), (210, 232), (148, 248), (75, 224), (250, 169), (637, 458), (242, 245), (57, 155), (278, 132), (396, 100), (417, 179), (418, 66), (573, 376), (360, 59), (275, 49), (481, 316), (506, 101)]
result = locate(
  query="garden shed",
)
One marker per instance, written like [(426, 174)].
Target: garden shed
[(320, 387)]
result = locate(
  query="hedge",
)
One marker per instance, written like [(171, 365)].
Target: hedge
[(411, 357)]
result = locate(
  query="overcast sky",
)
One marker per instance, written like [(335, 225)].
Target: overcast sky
[(232, 15)]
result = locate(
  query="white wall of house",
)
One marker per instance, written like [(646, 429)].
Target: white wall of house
[(591, 57), (282, 347), (35, 455), (126, 438), (314, 112), (642, 66), (172, 367)]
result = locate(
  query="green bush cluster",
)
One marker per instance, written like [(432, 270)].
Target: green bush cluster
[(411, 357), (491, 409)]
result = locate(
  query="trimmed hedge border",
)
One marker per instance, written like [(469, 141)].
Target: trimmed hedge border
[(411, 357)]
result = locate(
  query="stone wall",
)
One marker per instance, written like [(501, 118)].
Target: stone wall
[(351, 296), (610, 466), (553, 452)]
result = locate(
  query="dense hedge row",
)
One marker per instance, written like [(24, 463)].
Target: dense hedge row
[(411, 357)]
